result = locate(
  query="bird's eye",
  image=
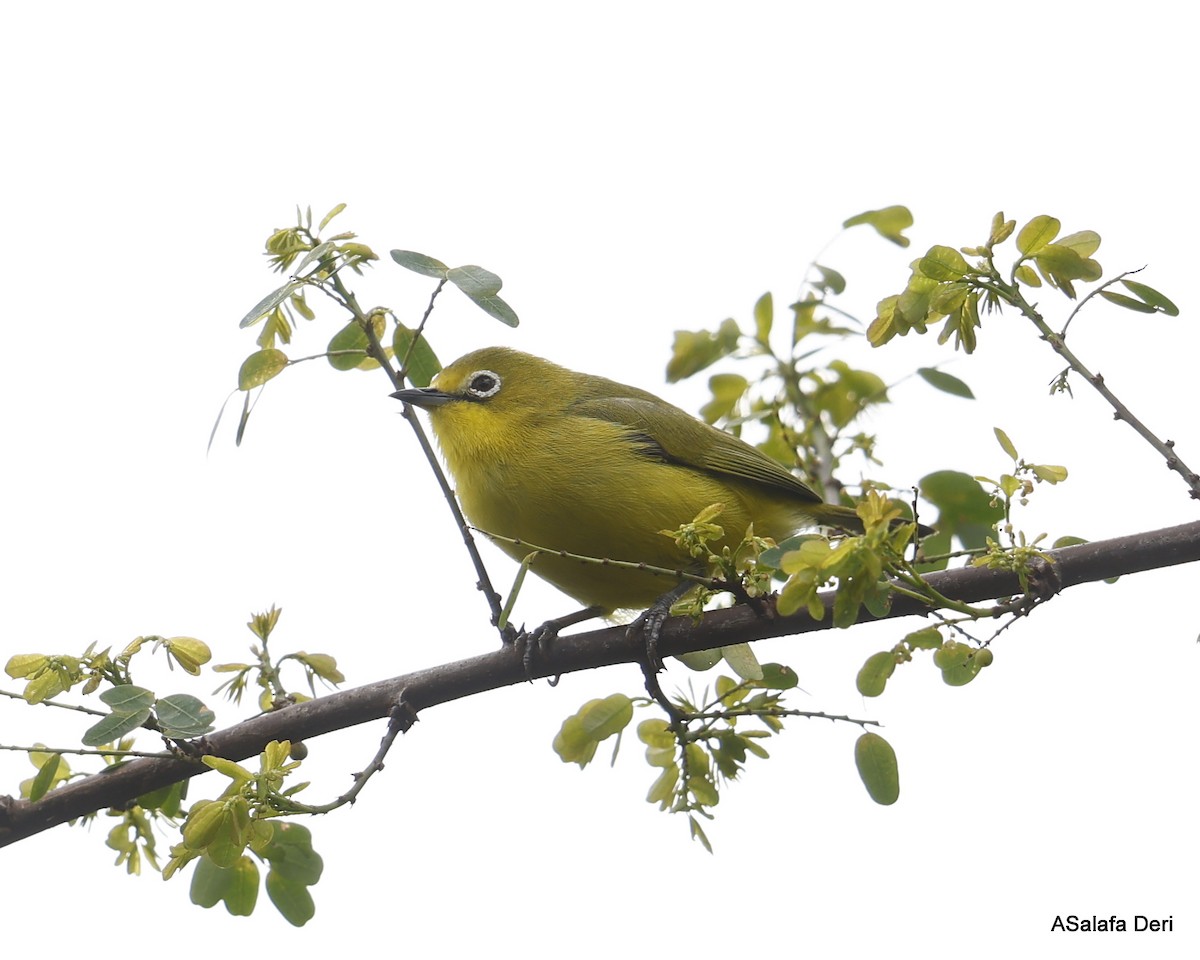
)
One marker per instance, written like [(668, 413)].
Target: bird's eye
[(483, 384)]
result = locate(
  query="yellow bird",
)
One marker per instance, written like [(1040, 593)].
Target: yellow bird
[(579, 463)]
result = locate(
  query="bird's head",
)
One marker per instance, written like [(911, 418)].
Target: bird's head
[(486, 399)]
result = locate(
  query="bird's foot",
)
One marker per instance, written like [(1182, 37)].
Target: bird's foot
[(530, 644), (650, 621), (649, 625)]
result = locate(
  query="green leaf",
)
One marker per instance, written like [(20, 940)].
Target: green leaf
[(764, 316), (237, 885), (182, 715), (742, 661), (243, 420), (806, 322), (1001, 229), (876, 762), (965, 508), (885, 326), (166, 800), (45, 777), (603, 718), (291, 899), (888, 223), (963, 673), (422, 363), (1009, 485), (663, 788), (188, 652), (323, 665), (329, 216), (128, 699), (114, 727), (242, 891), (1084, 242), (1027, 275), (878, 599), (774, 556), (229, 768), (208, 883), (44, 686), (23, 665), (960, 663), (320, 251), (914, 303), (1064, 263), (419, 263), (943, 263), (655, 732), (1128, 302), (692, 351), (1005, 443), (52, 769), (1036, 234), (831, 280), (300, 305), (497, 308), (1049, 472), (948, 298), (1152, 297), (352, 337), (577, 739), (873, 675), (476, 282), (291, 853), (927, 638), (269, 303), (776, 676), (260, 367), (945, 382), (704, 790), (727, 389), (700, 660)]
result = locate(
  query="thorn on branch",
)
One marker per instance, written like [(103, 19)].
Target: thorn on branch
[(403, 716)]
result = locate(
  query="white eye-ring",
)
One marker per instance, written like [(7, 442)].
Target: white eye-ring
[(483, 384)]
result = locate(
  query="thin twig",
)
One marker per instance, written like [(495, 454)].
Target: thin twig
[(421, 327), (83, 752), (782, 712), (1121, 412), (400, 721), (1104, 286), (55, 703), (348, 300)]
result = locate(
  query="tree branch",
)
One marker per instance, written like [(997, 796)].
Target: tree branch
[(118, 786)]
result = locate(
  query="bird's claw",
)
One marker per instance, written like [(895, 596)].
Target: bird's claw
[(649, 625), (531, 643)]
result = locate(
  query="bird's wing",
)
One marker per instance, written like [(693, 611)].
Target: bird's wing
[(661, 430)]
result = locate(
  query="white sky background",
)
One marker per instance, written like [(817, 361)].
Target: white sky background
[(627, 172)]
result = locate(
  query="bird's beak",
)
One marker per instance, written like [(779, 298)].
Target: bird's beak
[(425, 397)]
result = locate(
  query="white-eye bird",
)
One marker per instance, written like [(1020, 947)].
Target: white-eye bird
[(578, 463)]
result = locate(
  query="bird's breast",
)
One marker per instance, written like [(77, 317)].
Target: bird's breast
[(594, 490)]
